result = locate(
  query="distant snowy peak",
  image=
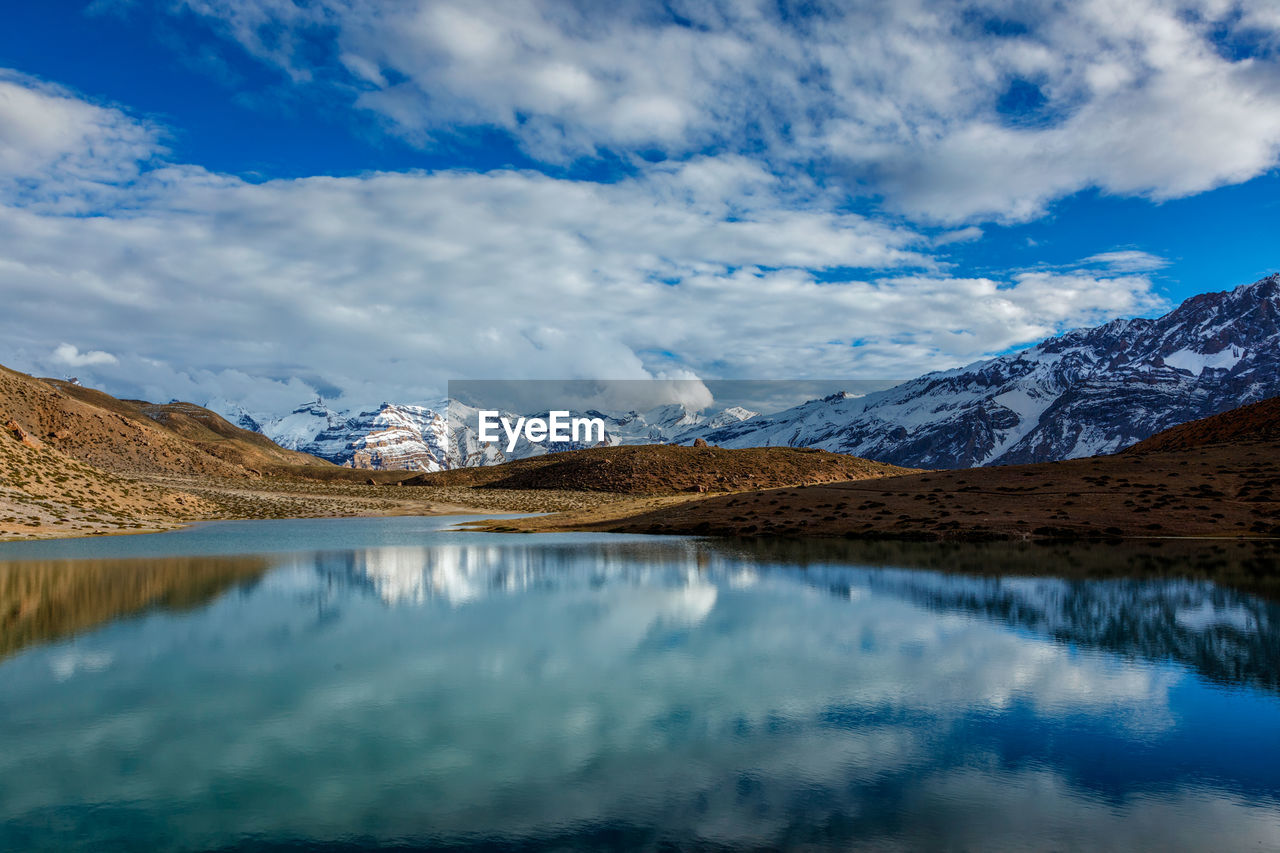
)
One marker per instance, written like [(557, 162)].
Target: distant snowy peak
[(299, 429), (443, 436), (390, 436), (665, 424), (235, 414), (729, 416), (396, 436), (1085, 392)]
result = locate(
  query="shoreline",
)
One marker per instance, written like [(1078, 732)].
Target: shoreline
[(1223, 493), (189, 500), (184, 525), (488, 525)]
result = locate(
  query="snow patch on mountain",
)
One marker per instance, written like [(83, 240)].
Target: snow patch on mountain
[(1197, 362)]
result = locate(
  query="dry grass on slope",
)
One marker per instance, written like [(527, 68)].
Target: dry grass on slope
[(657, 469), (1221, 491), (202, 430), (45, 492)]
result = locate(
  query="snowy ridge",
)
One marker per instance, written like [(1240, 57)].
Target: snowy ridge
[(1083, 393), (442, 435)]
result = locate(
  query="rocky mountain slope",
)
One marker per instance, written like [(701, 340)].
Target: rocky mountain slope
[(78, 461), (45, 491), (131, 436), (389, 437), (1086, 392)]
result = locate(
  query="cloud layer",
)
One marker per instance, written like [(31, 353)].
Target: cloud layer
[(948, 112), (165, 280), (725, 242)]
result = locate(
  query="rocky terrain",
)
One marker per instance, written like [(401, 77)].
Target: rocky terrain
[(1258, 423), (390, 437), (78, 462), (134, 437)]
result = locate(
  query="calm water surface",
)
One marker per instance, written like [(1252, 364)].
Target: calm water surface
[(347, 684)]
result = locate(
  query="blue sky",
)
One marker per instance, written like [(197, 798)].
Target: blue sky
[(260, 200)]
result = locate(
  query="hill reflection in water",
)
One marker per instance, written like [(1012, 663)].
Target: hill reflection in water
[(47, 600)]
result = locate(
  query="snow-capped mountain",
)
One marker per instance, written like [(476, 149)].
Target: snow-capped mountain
[(443, 435), (1086, 392), (390, 436)]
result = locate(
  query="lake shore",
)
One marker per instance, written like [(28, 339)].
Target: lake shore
[(25, 518)]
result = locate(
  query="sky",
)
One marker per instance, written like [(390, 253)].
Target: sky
[(262, 201)]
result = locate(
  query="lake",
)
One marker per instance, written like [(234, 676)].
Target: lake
[(346, 684)]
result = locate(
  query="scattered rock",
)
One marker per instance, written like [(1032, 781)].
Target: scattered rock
[(21, 435)]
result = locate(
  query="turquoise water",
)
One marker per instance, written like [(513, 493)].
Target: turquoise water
[(364, 683)]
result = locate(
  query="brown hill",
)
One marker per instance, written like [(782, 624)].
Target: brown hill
[(651, 469), (43, 490), (1219, 490), (128, 436), (1258, 422)]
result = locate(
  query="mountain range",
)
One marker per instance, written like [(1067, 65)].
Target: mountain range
[(1086, 392), (440, 436), (1083, 393)]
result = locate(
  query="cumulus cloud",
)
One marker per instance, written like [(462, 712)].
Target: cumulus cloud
[(950, 112), (186, 283), (72, 357), (59, 149)]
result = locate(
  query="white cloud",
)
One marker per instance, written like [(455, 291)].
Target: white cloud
[(1138, 98), (959, 235), (1128, 260), (58, 149), (190, 284), (72, 357)]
